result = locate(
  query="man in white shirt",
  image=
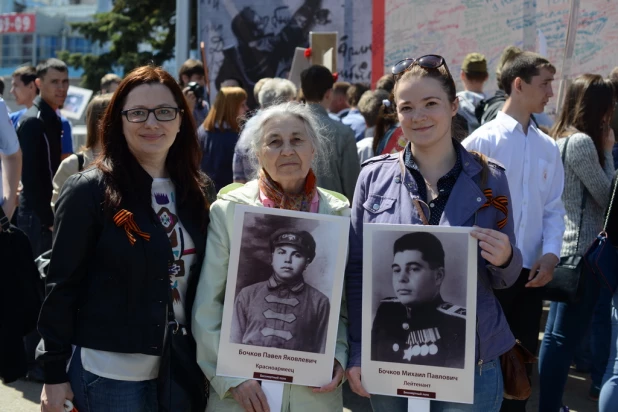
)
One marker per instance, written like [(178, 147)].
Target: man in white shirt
[(10, 165), (536, 179)]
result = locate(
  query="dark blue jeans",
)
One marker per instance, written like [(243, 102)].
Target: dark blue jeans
[(609, 392), (600, 336), (94, 393), (566, 324), (488, 389), (592, 352)]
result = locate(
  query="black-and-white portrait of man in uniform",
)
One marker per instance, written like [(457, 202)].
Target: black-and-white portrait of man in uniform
[(283, 311), (414, 324)]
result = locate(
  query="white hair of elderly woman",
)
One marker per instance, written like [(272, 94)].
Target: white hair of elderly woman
[(276, 91), (252, 133)]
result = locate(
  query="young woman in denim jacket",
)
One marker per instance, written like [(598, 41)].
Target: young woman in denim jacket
[(453, 188)]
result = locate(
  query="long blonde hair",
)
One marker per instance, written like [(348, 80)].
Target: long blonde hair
[(225, 110)]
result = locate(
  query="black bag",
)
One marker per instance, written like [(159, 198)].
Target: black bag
[(567, 284), (20, 299), (181, 385)]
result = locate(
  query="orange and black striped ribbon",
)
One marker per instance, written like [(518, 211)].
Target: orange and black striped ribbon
[(500, 203), (124, 219)]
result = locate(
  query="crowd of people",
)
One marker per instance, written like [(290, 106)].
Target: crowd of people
[(139, 221)]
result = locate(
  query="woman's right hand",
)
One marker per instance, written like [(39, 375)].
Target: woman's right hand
[(354, 378), (53, 397), (250, 396), (610, 140)]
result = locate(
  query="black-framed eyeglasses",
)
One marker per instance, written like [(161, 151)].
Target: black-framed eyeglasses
[(162, 114), (429, 61)]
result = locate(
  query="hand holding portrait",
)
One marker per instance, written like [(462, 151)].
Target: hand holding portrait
[(495, 246), (354, 378), (337, 377), (250, 396)]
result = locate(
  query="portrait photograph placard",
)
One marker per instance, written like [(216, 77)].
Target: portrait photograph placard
[(76, 102), (283, 296), (419, 317)]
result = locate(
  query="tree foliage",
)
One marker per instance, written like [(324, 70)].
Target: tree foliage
[(133, 33)]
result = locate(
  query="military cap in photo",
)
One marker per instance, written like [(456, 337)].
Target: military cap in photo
[(474, 63), (301, 239)]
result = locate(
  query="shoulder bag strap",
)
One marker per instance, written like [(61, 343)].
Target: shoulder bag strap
[(609, 208), (583, 205), (80, 161)]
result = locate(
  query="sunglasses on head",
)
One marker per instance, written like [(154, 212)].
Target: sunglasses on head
[(429, 61)]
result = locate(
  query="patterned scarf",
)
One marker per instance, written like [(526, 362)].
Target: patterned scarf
[(288, 201)]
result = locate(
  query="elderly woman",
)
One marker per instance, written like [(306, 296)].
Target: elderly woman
[(272, 92), (128, 237), (286, 145)]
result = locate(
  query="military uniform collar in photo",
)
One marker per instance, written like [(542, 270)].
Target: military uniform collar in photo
[(432, 334)]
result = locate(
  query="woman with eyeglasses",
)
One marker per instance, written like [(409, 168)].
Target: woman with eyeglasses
[(129, 240), (435, 181)]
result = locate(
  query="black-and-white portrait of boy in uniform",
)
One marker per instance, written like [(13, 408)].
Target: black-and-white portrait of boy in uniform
[(278, 301), (414, 323)]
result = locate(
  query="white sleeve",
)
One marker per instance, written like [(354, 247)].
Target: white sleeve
[(474, 142), (8, 138), (553, 210)]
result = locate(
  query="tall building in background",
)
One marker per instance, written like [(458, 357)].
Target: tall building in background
[(35, 30)]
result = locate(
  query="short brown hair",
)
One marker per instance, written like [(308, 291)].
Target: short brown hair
[(225, 109), (355, 92), (525, 65), (341, 88), (386, 82), (26, 74), (189, 68)]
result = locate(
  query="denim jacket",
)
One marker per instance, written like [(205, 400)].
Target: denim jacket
[(384, 194)]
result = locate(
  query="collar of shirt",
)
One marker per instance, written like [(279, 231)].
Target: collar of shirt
[(445, 183), (273, 284), (511, 125), (313, 208)]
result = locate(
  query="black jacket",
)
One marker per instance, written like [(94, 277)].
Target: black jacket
[(40, 137), (103, 293)]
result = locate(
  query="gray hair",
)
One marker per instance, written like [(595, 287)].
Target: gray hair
[(252, 134), (276, 91)]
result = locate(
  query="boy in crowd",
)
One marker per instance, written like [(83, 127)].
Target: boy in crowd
[(536, 179), (40, 132), (25, 90), (109, 83), (339, 107), (316, 83), (193, 71), (473, 76), (354, 118)]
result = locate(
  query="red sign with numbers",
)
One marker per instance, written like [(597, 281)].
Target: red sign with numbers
[(17, 23)]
